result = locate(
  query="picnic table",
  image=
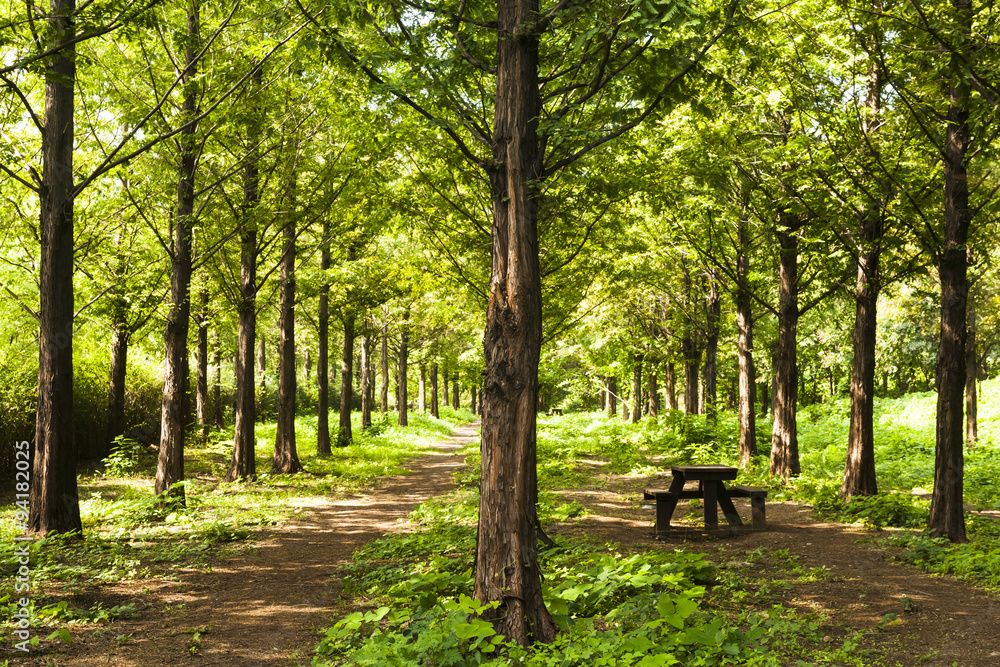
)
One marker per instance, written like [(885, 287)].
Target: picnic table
[(712, 489)]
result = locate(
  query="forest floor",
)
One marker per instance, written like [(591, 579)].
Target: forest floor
[(264, 607)]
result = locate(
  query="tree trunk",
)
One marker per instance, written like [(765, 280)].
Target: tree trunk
[(243, 465), (971, 397), (472, 399), (344, 435), (384, 396), (445, 375), (691, 359), (404, 340), (612, 396), (323, 353), (654, 394), (784, 437), (120, 336), (286, 456), (366, 381), (713, 315), (507, 569), (670, 385), (261, 367), (455, 390), (201, 386), (947, 517), (434, 390), (54, 504), (422, 389), (744, 341), (220, 417), (859, 469), (637, 389), (170, 463)]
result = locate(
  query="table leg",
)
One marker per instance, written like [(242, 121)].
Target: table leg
[(711, 507), (665, 506), (728, 509)]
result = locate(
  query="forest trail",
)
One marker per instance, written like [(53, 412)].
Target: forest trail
[(263, 608)]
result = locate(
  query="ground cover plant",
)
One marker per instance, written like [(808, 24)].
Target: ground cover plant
[(131, 537)]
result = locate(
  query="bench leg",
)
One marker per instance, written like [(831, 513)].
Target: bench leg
[(757, 512), (665, 505)]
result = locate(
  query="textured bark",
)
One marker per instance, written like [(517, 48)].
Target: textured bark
[(344, 435), (654, 394), (404, 340), (784, 436), (472, 399), (713, 314), (434, 390), (422, 389), (201, 385), (384, 395), (507, 569), (947, 517), (366, 381), (286, 456), (690, 349), (670, 385), (637, 389), (120, 336), (323, 353), (612, 390), (445, 376), (243, 465), (54, 503), (744, 341), (219, 419), (859, 468), (170, 463), (455, 390)]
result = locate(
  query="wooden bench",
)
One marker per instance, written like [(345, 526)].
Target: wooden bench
[(554, 411), (757, 497)]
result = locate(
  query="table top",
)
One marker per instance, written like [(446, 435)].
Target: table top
[(705, 472)]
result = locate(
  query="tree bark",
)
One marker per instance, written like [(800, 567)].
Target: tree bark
[(971, 395), (612, 384), (243, 465), (859, 468), (220, 418), (472, 399), (637, 389), (670, 385), (54, 503), (262, 367), (384, 396), (713, 315), (366, 380), (344, 435), (654, 394), (947, 517), (744, 340), (323, 353), (286, 456), (120, 336), (507, 569), (455, 390), (402, 406), (784, 437), (170, 463), (422, 389), (434, 390), (201, 386)]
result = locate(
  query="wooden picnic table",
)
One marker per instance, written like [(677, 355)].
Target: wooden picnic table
[(712, 489)]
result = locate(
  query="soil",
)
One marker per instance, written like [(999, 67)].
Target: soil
[(264, 607)]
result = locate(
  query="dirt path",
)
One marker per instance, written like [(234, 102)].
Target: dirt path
[(263, 608)]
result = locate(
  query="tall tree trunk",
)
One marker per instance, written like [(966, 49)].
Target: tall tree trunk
[(243, 465), (220, 418), (323, 353), (434, 390), (507, 569), (422, 389), (384, 395), (637, 389), (670, 385), (472, 399), (612, 384), (170, 463), (784, 437), (744, 339), (455, 390), (971, 395), (404, 340), (859, 469), (654, 394), (307, 366), (366, 380), (261, 367), (201, 386), (445, 375), (54, 503), (713, 315), (947, 517), (120, 336), (344, 435), (286, 456), (691, 362)]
